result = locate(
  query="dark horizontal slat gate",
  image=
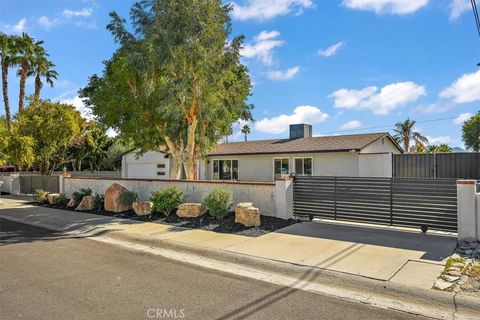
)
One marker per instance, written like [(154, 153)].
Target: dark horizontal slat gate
[(391, 201), (30, 183)]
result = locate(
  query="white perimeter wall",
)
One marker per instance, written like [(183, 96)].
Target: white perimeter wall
[(261, 194)]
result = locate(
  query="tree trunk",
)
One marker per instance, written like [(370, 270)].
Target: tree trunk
[(176, 154), (5, 94), (38, 87), (406, 144), (23, 78), (189, 157)]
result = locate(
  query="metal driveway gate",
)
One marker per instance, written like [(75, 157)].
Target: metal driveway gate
[(410, 202), (30, 183)]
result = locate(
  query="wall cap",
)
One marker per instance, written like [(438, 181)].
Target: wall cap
[(181, 180), (474, 182)]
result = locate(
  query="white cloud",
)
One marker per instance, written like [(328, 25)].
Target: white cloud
[(301, 114), (67, 13), (268, 9), (19, 27), (462, 117), (46, 23), (386, 6), (354, 124), (381, 101), (283, 75), (434, 107), (464, 89), (262, 47), (80, 106), (332, 50), (458, 7), (441, 139)]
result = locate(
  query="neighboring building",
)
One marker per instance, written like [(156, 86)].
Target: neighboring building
[(357, 155), (150, 165)]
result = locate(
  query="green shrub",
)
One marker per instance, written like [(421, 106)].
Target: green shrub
[(128, 197), (40, 196), (62, 200), (218, 202), (77, 196), (165, 200), (98, 202)]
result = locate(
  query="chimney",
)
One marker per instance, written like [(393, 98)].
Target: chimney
[(301, 130)]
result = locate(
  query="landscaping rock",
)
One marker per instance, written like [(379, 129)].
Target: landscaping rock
[(86, 204), (191, 210), (448, 278), (442, 284), (53, 197), (112, 199), (71, 203), (144, 208), (247, 215), (458, 265), (454, 273)]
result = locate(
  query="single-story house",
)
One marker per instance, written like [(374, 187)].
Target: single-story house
[(357, 155)]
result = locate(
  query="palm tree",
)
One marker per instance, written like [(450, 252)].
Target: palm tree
[(41, 67), (246, 131), (431, 148), (405, 133), (7, 59), (444, 148), (28, 49)]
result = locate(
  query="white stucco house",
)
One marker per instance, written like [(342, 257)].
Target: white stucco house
[(356, 155)]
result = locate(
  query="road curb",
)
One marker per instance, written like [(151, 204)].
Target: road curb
[(429, 303)]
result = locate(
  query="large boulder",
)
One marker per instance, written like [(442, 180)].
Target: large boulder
[(247, 214), (112, 199), (144, 208), (86, 204), (191, 210), (53, 198)]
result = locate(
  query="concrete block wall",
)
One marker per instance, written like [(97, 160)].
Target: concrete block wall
[(272, 200), (11, 183)]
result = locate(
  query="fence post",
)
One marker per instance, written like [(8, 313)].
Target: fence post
[(335, 197), (391, 201), (467, 211), (284, 198)]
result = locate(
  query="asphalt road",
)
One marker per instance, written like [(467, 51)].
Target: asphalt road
[(46, 275)]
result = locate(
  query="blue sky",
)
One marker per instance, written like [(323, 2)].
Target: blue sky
[(345, 66)]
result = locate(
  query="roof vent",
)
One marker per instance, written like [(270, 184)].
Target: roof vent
[(301, 130)]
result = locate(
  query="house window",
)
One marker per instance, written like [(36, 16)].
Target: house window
[(161, 169), (303, 166), (225, 169), (281, 167)]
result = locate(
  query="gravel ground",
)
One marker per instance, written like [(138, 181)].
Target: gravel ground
[(206, 222)]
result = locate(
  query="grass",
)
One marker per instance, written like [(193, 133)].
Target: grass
[(451, 261), (474, 271)]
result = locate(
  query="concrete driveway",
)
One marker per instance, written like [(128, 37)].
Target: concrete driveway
[(373, 252)]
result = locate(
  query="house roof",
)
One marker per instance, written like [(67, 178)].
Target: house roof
[(303, 145)]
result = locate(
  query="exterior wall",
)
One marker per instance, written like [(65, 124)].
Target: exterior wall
[(261, 194), (375, 165), (468, 202), (145, 166), (260, 167), (11, 183), (381, 145)]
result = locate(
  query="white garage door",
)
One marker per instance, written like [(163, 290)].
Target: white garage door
[(148, 170)]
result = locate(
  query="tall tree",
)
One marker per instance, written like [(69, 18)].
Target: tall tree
[(52, 126), (40, 68), (405, 133), (471, 132), (28, 49), (178, 80), (246, 131), (8, 52)]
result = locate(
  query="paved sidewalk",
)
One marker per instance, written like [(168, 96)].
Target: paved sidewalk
[(404, 257)]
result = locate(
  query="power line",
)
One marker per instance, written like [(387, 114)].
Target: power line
[(386, 126), (475, 14)]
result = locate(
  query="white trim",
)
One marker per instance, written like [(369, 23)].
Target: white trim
[(311, 158), (225, 159), (273, 165)]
